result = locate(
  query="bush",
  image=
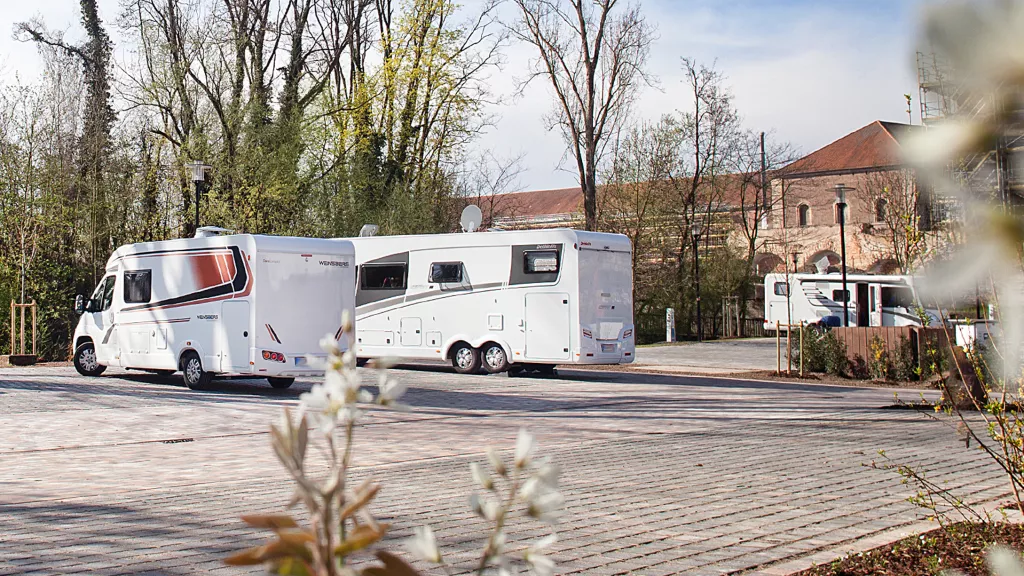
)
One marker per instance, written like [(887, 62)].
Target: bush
[(878, 366), (904, 365), (824, 352)]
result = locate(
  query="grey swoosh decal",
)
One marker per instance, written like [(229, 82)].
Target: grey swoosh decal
[(437, 294)]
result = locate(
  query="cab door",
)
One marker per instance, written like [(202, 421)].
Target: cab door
[(102, 324)]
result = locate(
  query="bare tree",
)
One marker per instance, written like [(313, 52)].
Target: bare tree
[(638, 202), (895, 206), (489, 182), (594, 60)]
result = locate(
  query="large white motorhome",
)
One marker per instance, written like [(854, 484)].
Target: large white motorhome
[(873, 300), (501, 300), (221, 305)]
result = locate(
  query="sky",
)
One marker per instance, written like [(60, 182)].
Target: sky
[(808, 71)]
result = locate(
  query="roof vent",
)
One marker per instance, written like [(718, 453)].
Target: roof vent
[(211, 231), (368, 230)]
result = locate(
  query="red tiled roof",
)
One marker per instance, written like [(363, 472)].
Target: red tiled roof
[(876, 145), (545, 202)]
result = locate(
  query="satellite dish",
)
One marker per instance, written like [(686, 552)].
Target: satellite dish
[(471, 218), (368, 230), (822, 265)]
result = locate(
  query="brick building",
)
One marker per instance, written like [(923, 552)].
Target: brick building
[(803, 215)]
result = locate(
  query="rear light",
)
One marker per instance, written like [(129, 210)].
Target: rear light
[(273, 356), (627, 333)]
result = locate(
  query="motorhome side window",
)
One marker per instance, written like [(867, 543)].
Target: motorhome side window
[(445, 273), (781, 289), (901, 297), (138, 286), (382, 277), (841, 295), (540, 261)]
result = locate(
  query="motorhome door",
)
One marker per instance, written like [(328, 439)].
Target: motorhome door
[(234, 336), (863, 312), (547, 326)]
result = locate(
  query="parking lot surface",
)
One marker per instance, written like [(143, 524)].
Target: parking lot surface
[(131, 473)]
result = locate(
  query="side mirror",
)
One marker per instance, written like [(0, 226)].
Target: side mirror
[(79, 304)]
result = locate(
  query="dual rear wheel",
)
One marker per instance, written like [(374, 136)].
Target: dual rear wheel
[(491, 357)]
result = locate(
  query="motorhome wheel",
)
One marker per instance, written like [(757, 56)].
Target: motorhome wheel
[(280, 383), (466, 359), (192, 367), (494, 358), (85, 361)]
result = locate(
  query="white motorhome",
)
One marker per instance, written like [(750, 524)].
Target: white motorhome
[(873, 300), (221, 305), (501, 300)]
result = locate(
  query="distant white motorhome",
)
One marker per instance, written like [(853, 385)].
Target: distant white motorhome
[(873, 300), (223, 305), (500, 300)]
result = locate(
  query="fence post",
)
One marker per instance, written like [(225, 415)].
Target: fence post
[(788, 348), (801, 348), (778, 349), (739, 329), (34, 327), (12, 327)]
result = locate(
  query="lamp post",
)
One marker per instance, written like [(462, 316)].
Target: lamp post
[(695, 231), (199, 178), (841, 190)]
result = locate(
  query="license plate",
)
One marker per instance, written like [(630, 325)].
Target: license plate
[(605, 348)]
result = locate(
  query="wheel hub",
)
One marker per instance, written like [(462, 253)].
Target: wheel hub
[(495, 357), (88, 359), (464, 357), (193, 370)]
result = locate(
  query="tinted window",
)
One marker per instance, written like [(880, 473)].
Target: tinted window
[(138, 286), (781, 289), (897, 297), (540, 262), (837, 295), (105, 293), (445, 272), (383, 277)]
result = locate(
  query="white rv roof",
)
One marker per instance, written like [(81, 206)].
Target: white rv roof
[(261, 242), (599, 240), (838, 277)]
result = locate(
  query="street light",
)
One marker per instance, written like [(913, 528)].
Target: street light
[(199, 178), (841, 190), (695, 231)]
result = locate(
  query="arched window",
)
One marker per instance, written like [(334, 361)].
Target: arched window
[(880, 207), (804, 218)]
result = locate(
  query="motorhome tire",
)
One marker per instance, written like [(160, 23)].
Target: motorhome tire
[(85, 360), (280, 383), (494, 359), (192, 367), (465, 359)]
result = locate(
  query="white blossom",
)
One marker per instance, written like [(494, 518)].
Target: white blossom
[(423, 545), (481, 477), (540, 564), (524, 449), (496, 462)]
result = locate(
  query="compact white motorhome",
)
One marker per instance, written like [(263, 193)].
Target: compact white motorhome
[(501, 300), (873, 300), (221, 305)]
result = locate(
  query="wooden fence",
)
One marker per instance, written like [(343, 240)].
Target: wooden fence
[(858, 340)]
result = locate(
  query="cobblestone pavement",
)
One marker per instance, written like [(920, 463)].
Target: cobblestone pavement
[(662, 474)]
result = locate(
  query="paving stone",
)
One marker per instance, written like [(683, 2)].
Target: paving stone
[(86, 463)]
